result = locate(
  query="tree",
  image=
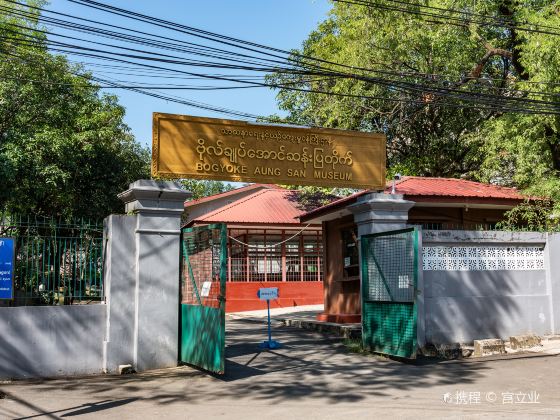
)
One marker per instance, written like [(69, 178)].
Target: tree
[(310, 197), (204, 188), (64, 148), (533, 215), (411, 71)]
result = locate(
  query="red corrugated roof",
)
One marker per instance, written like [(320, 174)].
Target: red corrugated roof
[(230, 193), (451, 187), (424, 188), (270, 206)]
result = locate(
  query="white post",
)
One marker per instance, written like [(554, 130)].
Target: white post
[(142, 277)]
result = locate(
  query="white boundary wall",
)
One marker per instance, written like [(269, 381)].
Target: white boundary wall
[(42, 341), (477, 285), (138, 325)]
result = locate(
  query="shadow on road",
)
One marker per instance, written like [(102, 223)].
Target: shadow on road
[(69, 411), (308, 366)]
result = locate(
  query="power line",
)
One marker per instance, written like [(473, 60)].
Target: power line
[(451, 20), (297, 68), (500, 19), (485, 107), (404, 84), (402, 73), (169, 98)]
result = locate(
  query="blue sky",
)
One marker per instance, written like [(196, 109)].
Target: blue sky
[(282, 24)]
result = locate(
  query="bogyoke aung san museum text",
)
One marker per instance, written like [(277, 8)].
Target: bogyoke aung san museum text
[(274, 241)]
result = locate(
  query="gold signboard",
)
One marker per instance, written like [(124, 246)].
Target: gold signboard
[(208, 148)]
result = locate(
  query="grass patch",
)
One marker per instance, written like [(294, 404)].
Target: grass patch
[(355, 345)]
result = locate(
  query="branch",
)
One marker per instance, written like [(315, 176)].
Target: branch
[(476, 71)]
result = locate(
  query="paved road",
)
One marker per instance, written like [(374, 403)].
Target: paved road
[(311, 377)]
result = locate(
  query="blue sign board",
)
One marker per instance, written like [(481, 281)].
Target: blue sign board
[(268, 293), (7, 268)]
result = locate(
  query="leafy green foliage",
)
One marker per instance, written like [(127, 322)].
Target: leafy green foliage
[(64, 149), (310, 197), (422, 138), (533, 215), (203, 188)]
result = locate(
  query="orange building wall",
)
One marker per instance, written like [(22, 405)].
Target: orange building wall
[(242, 296), (342, 297)]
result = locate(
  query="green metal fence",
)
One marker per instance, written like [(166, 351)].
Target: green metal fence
[(57, 263)]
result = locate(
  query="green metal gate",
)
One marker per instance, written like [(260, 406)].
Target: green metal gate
[(389, 281), (203, 291)]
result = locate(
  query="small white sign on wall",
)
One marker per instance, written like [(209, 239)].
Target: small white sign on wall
[(403, 282), (205, 291)]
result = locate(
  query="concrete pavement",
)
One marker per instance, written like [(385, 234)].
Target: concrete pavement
[(311, 376)]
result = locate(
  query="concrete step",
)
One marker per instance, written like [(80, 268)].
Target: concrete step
[(489, 347), (353, 331)]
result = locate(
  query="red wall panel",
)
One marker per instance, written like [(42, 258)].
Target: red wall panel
[(242, 296)]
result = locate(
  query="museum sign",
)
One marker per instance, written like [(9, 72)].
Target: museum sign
[(226, 150)]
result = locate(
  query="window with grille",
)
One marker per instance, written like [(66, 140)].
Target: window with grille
[(265, 255)]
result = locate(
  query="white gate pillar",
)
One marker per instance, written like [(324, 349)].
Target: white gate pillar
[(142, 276), (378, 212)]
